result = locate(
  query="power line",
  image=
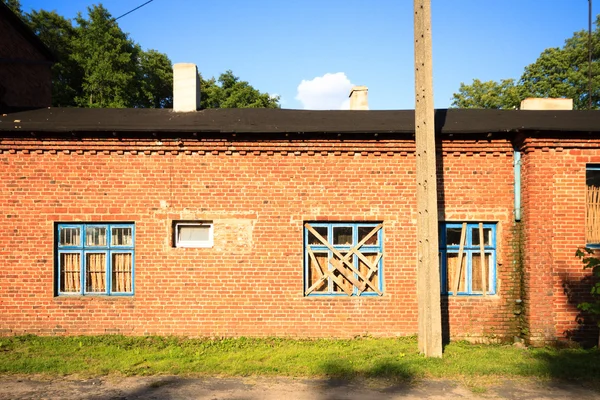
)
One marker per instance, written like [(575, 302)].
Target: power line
[(137, 8), (590, 54)]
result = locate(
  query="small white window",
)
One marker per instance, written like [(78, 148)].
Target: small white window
[(193, 234)]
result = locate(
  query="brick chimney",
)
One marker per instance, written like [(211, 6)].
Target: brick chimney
[(186, 88), (359, 98)]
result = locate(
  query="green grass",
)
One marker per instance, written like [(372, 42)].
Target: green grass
[(391, 359)]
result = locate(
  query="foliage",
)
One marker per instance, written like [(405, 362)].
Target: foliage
[(590, 261), (99, 65), (490, 94), (231, 92), (15, 6), (108, 59), (363, 357), (58, 34), (558, 72), (156, 80)]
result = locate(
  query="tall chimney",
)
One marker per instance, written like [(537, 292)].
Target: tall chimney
[(359, 98), (186, 88), (535, 103)]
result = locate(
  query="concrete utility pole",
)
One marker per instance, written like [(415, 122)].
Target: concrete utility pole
[(428, 271)]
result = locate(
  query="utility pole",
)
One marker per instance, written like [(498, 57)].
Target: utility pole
[(428, 271)]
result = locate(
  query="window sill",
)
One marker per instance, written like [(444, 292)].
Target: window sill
[(345, 297), (76, 297), (471, 296), (191, 246)]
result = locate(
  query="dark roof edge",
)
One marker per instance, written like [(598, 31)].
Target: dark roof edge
[(267, 121), (26, 32)]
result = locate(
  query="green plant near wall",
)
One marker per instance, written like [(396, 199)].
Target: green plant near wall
[(591, 261)]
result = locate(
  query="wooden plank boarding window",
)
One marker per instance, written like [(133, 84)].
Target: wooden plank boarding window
[(95, 259), (343, 259), (463, 269), (592, 209)]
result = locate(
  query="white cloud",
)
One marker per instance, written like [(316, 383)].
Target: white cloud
[(327, 92)]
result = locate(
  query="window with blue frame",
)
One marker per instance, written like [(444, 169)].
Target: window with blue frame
[(592, 206), (464, 271), (95, 259), (343, 259)]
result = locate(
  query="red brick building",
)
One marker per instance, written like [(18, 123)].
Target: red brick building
[(289, 223), (25, 65)]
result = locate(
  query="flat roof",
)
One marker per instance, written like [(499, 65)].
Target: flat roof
[(451, 121)]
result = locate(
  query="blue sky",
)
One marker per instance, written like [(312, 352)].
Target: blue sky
[(311, 51)]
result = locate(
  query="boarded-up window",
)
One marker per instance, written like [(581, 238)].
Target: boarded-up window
[(463, 269), (343, 259), (592, 220), (95, 259)]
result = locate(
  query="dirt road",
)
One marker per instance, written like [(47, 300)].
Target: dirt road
[(167, 388)]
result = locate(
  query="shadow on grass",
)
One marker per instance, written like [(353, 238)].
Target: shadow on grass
[(393, 371), (568, 364)]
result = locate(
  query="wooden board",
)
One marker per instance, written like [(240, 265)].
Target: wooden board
[(482, 250), (458, 270)]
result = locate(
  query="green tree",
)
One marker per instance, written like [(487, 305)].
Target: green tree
[(101, 66), (591, 261), (558, 72), (108, 59), (498, 95), (155, 80), (231, 92), (15, 6), (211, 93), (58, 34), (563, 72)]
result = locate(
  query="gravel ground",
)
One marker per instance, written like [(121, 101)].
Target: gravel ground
[(172, 387)]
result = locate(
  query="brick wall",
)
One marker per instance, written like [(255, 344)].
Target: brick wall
[(27, 80), (477, 185), (554, 191), (258, 194)]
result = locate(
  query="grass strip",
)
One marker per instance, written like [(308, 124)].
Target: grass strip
[(393, 359)]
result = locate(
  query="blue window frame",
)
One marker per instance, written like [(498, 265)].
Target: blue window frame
[(95, 259), (343, 259), (468, 276), (592, 204)]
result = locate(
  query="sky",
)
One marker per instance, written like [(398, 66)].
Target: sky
[(311, 52)]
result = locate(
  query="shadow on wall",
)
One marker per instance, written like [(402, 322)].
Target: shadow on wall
[(577, 291), (445, 321), (440, 121)]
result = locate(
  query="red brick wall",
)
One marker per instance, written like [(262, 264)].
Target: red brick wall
[(258, 193), (27, 84), (554, 194), (478, 186)]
